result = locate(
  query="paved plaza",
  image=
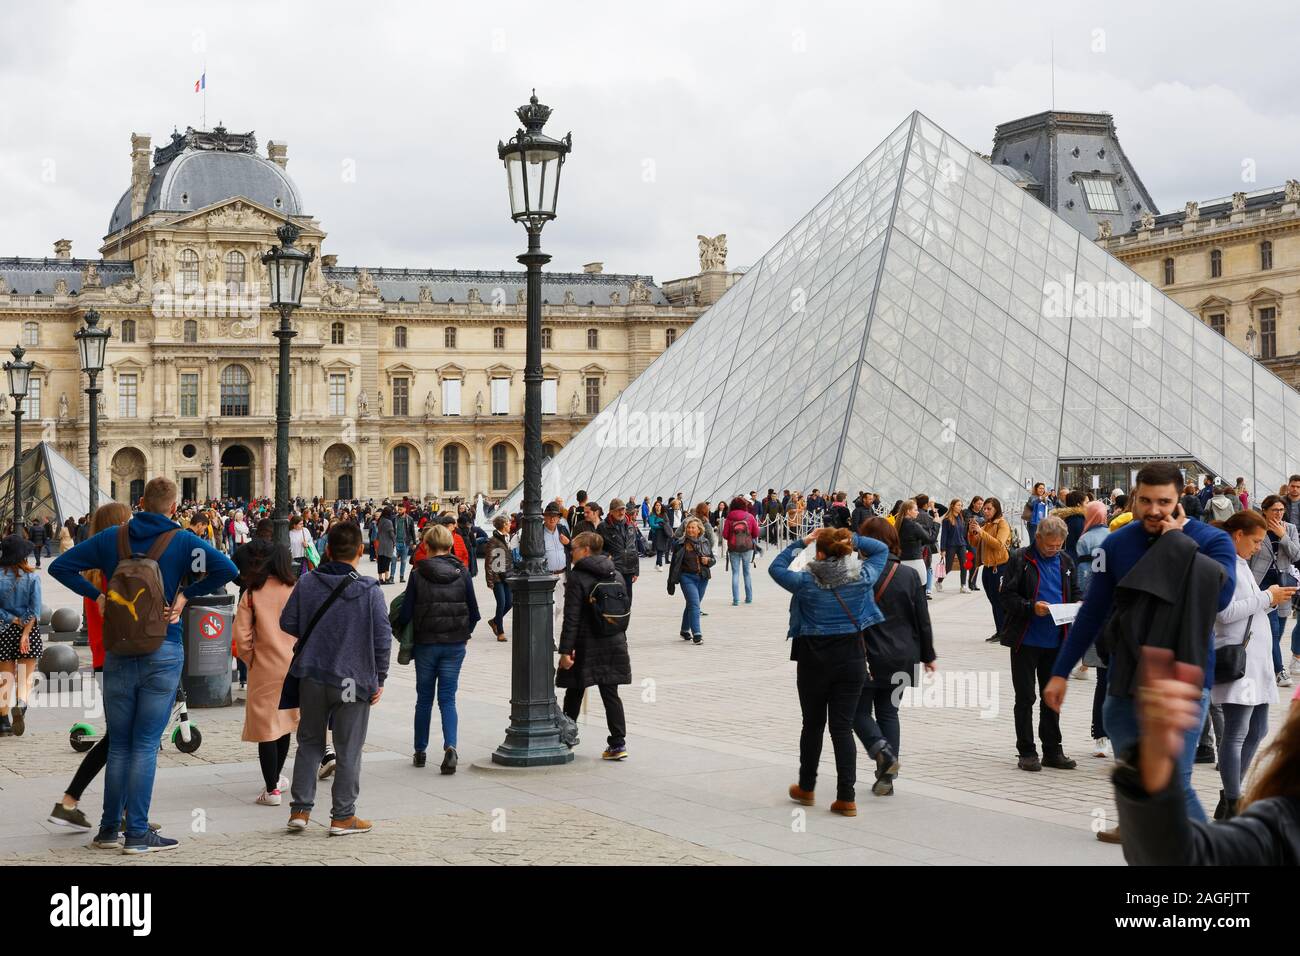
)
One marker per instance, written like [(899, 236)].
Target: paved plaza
[(713, 737)]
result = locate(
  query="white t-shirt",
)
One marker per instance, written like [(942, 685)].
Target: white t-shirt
[(298, 538)]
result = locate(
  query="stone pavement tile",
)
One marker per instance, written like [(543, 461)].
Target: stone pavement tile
[(859, 856), (782, 838), (765, 855)]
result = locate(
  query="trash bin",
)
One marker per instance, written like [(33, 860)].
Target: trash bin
[(208, 627)]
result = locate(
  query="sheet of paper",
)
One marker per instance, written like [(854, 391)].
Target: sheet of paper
[(1064, 613)]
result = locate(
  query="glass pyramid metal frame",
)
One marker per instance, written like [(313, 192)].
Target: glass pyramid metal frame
[(52, 487), (930, 327)]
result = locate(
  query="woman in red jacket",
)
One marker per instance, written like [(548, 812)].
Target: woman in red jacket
[(66, 812), (740, 531)]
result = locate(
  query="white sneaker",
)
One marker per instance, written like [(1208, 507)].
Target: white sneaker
[(1283, 679), (965, 590), (269, 798), (283, 784), (1101, 747)]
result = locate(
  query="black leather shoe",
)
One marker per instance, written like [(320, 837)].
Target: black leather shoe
[(1030, 763), (1221, 810), (995, 639), (419, 758), (1204, 755), (449, 760), (1060, 762)]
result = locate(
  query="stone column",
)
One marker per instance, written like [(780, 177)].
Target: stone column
[(476, 471), (214, 387), (431, 463), (361, 470), (215, 468)]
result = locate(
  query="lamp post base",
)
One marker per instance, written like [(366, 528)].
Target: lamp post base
[(533, 737)]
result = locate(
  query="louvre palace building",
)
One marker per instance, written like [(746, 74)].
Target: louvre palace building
[(404, 382)]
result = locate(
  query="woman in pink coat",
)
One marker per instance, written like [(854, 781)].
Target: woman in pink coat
[(267, 651), (740, 531)]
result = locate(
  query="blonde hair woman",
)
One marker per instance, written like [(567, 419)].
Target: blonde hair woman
[(991, 542), (692, 557)]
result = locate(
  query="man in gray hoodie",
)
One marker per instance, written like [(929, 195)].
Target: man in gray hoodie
[(341, 667)]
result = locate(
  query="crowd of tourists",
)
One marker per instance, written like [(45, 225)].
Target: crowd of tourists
[(1183, 631)]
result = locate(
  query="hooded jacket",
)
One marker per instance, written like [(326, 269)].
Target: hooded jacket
[(597, 658), (620, 546), (815, 610), (352, 641), (1074, 519), (441, 598)]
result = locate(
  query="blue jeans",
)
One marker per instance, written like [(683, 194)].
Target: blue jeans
[(501, 591), (739, 567), (693, 588), (1276, 624), (437, 669), (1120, 718), (401, 561), (138, 697), (929, 574)]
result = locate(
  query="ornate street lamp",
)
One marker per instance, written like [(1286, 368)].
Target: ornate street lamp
[(92, 343), (288, 267), (19, 373), (533, 161)]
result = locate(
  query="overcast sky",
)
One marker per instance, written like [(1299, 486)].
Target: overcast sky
[(687, 118)]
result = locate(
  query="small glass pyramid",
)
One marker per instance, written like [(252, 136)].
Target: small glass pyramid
[(52, 487)]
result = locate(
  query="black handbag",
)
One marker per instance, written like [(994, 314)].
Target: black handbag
[(1230, 660), (289, 690)]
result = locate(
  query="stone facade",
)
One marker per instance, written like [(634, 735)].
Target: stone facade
[(379, 354), (1235, 263)]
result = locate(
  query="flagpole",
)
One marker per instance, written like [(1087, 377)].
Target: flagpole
[(204, 81)]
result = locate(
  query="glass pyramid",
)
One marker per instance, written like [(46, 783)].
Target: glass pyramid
[(930, 327), (52, 487)]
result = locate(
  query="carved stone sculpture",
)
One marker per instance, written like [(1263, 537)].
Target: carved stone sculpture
[(90, 276), (1191, 212), (426, 294), (1104, 229), (63, 406), (1239, 202), (713, 252), (362, 404), (638, 292), (366, 284), (1148, 220), (1292, 190), (211, 261), (430, 404)]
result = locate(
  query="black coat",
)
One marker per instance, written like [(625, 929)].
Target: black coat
[(1019, 593), (1168, 599), (702, 548), (904, 636), (912, 539), (1157, 831), (598, 658)]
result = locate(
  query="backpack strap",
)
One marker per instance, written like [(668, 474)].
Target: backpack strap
[(160, 544), (835, 592)]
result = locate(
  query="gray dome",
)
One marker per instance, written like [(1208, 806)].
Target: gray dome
[(190, 178)]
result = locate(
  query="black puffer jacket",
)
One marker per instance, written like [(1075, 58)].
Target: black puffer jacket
[(441, 613), (912, 538), (1157, 831), (598, 658)]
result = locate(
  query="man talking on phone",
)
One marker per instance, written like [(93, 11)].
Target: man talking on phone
[(1156, 513)]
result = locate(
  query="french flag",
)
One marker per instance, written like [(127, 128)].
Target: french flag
[(201, 83)]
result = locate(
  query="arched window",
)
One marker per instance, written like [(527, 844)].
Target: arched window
[(190, 332), (1216, 263), (498, 338), (127, 329), (236, 386), (337, 333), (1169, 272), (499, 477), (449, 337), (187, 264), (546, 338), (593, 339), (1266, 255), (402, 469), (670, 336), (235, 270), (399, 337), (451, 468)]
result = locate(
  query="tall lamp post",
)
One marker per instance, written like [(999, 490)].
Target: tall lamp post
[(92, 343), (287, 266), (533, 162), (18, 372)]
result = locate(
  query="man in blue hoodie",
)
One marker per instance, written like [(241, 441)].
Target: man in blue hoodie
[(139, 691), (1156, 512), (341, 668)]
